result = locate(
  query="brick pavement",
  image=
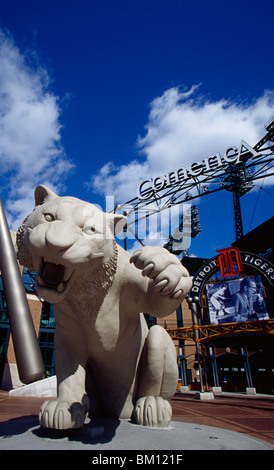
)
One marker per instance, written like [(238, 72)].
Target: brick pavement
[(252, 416)]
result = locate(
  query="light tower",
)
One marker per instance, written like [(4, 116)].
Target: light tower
[(239, 181), (190, 228)]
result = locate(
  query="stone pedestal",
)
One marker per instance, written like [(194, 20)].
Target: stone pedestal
[(185, 389), (204, 396), (41, 388), (217, 390)]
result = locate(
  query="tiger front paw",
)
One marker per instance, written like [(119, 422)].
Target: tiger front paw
[(57, 414), (153, 412), (169, 277)]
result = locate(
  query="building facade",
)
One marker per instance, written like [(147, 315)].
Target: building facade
[(226, 342)]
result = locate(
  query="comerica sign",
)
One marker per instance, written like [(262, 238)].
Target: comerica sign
[(232, 156)]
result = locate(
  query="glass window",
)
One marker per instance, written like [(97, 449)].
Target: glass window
[(29, 280)]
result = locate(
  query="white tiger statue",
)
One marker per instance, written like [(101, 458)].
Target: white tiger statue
[(108, 363)]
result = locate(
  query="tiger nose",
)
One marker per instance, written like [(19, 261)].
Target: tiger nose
[(59, 237)]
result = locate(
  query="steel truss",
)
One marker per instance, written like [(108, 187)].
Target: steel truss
[(209, 332), (236, 178)]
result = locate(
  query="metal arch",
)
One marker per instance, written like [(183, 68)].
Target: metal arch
[(237, 179), (208, 332), (180, 192)]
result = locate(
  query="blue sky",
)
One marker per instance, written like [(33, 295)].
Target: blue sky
[(97, 95)]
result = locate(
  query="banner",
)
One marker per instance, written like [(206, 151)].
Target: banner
[(237, 301)]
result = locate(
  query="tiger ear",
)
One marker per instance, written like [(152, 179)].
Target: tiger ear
[(117, 222), (42, 193)]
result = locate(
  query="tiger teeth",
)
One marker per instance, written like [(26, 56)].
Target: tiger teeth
[(61, 287), (41, 282)]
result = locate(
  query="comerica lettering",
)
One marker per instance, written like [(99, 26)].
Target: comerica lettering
[(231, 156)]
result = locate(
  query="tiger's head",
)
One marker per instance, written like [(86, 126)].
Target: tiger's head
[(64, 238)]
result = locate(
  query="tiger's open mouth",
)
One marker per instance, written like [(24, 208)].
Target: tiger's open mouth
[(53, 276)]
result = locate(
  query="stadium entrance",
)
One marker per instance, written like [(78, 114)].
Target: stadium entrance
[(232, 306)]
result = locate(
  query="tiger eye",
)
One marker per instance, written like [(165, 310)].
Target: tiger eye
[(49, 217), (89, 230)]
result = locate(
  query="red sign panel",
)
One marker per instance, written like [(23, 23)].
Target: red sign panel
[(229, 261)]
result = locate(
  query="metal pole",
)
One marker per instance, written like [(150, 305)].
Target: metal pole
[(247, 367), (212, 355), (204, 367), (193, 307), (27, 352), (183, 365), (237, 215), (125, 234)]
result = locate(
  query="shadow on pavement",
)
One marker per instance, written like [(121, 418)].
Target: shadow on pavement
[(98, 431)]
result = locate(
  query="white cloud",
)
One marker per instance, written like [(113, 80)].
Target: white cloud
[(30, 132), (184, 127)]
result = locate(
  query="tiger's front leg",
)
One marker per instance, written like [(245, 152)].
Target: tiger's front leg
[(71, 406)]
